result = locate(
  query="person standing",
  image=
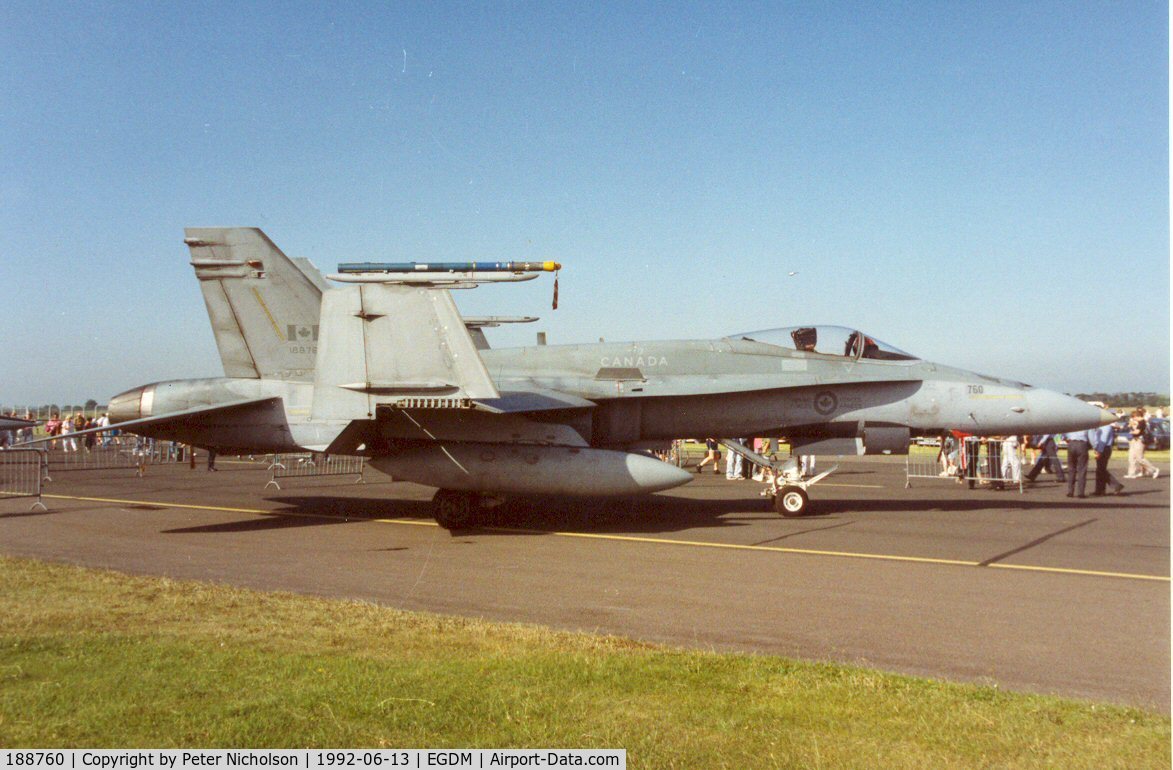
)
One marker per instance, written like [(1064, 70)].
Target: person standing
[(104, 422), (806, 464), (969, 456), (68, 442), (1078, 444), (1011, 462), (1138, 434), (1103, 439), (53, 428), (734, 462), (947, 455)]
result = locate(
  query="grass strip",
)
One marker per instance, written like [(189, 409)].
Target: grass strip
[(102, 659)]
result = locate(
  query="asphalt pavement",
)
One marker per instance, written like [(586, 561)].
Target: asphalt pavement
[(1032, 592)]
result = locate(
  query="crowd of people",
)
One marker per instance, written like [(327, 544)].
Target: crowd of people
[(60, 430), (994, 461), (960, 456)]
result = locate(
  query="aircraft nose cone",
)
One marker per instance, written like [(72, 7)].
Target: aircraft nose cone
[(1052, 412), (652, 475)]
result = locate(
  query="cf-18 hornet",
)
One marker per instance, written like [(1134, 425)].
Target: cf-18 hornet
[(384, 366)]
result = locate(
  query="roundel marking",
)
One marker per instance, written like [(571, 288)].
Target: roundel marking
[(825, 402)]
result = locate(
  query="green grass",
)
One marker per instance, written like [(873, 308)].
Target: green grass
[(91, 658)]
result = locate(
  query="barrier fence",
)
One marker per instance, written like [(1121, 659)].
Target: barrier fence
[(993, 461), (22, 473), (306, 465), (685, 453), (123, 451)]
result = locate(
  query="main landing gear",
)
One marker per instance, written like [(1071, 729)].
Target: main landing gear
[(455, 509)]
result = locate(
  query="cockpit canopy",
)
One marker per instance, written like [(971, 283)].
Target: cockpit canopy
[(829, 341)]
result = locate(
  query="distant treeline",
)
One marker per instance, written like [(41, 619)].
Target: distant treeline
[(1127, 399)]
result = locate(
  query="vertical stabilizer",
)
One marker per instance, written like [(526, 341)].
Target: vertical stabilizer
[(263, 307), (388, 344)]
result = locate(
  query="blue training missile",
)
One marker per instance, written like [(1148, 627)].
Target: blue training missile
[(448, 267)]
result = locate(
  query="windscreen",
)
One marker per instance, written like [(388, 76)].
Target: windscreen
[(829, 341)]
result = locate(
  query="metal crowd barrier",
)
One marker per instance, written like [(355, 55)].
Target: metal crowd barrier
[(22, 472), (123, 451), (307, 465), (976, 459), (684, 453)]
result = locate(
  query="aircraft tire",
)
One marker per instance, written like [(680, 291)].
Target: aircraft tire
[(454, 509), (791, 501)]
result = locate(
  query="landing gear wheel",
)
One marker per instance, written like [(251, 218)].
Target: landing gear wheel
[(791, 501), (454, 509)]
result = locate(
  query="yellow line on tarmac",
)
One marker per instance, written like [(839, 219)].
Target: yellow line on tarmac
[(1072, 571), (652, 540), (163, 504), (741, 546)]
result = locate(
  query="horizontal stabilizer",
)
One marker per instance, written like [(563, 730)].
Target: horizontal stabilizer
[(197, 415)]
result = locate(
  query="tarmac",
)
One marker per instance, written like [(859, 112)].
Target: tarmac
[(1031, 592)]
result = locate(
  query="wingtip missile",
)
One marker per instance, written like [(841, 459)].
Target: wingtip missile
[(442, 274), (449, 267)]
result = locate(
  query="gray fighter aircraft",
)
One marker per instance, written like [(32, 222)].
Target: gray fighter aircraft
[(385, 367)]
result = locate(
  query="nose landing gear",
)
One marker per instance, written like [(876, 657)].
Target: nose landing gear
[(791, 501)]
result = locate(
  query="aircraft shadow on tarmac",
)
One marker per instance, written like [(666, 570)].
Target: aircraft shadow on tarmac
[(637, 514), (634, 515), (312, 512), (270, 521), (20, 514)]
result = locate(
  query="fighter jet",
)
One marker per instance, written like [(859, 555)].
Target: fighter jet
[(385, 367)]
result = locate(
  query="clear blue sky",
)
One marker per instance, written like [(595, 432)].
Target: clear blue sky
[(982, 184)]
